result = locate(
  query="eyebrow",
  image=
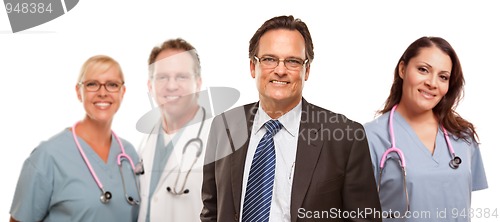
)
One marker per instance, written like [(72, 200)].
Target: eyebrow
[(445, 71), (289, 57), (95, 80), (174, 74)]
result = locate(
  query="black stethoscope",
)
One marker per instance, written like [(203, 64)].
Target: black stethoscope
[(106, 195), (194, 141), (454, 163)]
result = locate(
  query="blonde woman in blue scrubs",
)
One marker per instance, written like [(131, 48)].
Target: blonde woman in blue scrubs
[(437, 148), (56, 181)]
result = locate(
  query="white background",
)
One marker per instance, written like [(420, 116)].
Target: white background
[(357, 45)]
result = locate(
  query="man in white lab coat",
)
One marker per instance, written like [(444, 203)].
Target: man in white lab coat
[(173, 148)]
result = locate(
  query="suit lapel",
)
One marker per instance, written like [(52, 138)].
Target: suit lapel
[(308, 151), (239, 156)]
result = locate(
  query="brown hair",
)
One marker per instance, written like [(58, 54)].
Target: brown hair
[(175, 44), (282, 22), (445, 109)]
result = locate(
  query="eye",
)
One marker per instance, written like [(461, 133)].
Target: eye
[(296, 62), (268, 59), (423, 69), (182, 77), (160, 77), (444, 77), (91, 84), (112, 85)]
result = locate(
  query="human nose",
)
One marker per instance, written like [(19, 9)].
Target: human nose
[(280, 68), (431, 81), (102, 91), (171, 84)]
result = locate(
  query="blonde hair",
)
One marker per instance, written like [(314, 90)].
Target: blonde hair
[(99, 63)]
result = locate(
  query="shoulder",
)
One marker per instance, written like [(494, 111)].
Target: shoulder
[(377, 132), (466, 141), (129, 148), (379, 124), (237, 114), (47, 152), (317, 114), (126, 143), (55, 144), (247, 108)]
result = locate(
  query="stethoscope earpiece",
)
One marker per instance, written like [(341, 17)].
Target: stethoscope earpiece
[(455, 162), (106, 196), (132, 201), (186, 191)]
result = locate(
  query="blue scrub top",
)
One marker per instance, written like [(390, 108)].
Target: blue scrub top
[(436, 191), (56, 185)]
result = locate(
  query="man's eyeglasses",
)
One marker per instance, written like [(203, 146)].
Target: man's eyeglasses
[(94, 85), (272, 62)]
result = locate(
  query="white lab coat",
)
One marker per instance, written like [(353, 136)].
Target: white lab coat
[(166, 206)]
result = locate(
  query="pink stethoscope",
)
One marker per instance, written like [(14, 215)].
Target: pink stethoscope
[(454, 163), (106, 195)]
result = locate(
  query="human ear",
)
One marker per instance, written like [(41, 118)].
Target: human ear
[(307, 73), (78, 92), (252, 68), (401, 69)]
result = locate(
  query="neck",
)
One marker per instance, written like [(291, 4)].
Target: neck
[(172, 124), (425, 125), (96, 131), (417, 118), (97, 135), (276, 109)]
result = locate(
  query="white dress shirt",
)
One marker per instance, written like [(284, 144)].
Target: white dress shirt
[(285, 143)]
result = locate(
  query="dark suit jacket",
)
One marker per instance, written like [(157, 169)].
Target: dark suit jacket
[(333, 171)]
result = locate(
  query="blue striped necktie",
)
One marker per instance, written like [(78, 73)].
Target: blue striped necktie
[(259, 192)]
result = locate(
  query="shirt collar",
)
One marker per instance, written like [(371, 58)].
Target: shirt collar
[(290, 120)]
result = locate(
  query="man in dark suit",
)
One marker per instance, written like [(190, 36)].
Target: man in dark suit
[(282, 158)]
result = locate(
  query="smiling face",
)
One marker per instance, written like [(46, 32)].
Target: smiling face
[(174, 83), (280, 85), (425, 79), (101, 105)]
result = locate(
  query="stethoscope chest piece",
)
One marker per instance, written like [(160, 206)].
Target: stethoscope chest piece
[(455, 162), (139, 168), (105, 197)]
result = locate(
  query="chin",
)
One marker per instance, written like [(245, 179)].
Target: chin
[(102, 120), (278, 96), (426, 106), (103, 117), (173, 112)]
